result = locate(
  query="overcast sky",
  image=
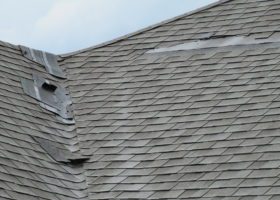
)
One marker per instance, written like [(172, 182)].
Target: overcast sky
[(62, 26)]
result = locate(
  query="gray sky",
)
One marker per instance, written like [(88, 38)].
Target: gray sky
[(62, 26)]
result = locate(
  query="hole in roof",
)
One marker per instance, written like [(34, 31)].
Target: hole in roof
[(49, 87), (78, 161), (52, 97)]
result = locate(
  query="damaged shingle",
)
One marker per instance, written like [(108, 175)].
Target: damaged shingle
[(51, 96), (60, 154), (48, 60), (216, 42)]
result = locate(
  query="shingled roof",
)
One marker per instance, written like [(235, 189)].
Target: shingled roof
[(186, 109)]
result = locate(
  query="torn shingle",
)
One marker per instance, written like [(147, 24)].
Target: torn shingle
[(48, 60), (51, 96)]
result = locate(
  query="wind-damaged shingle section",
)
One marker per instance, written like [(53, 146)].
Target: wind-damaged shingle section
[(184, 125), (48, 60), (51, 96), (196, 124), (27, 171)]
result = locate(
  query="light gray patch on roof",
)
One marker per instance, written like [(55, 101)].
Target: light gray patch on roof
[(216, 43)]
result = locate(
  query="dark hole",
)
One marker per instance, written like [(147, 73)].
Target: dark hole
[(49, 87), (217, 37), (78, 161)]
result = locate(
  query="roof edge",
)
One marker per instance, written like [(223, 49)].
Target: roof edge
[(9, 45), (145, 29)]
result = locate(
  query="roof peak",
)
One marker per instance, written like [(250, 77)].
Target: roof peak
[(219, 2)]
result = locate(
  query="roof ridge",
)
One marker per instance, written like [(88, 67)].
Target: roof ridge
[(211, 5), (9, 45)]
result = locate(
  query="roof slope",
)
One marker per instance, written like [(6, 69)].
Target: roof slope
[(186, 124), (182, 125)]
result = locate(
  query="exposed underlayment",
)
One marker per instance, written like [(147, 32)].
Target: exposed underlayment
[(218, 43), (51, 96), (48, 60), (188, 109)]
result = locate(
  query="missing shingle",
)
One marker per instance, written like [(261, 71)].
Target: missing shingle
[(219, 41), (202, 44), (51, 96), (48, 60)]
